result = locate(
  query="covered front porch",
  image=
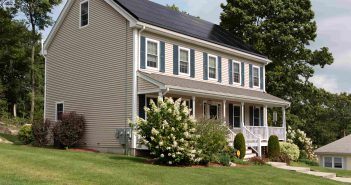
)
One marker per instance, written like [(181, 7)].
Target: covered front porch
[(257, 116)]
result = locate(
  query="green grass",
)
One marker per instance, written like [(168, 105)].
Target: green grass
[(12, 138), (339, 173), (28, 165)]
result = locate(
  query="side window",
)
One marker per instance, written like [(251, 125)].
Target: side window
[(212, 67), (152, 53), (184, 62), (338, 162), (256, 76), (84, 13), (59, 111), (236, 72), (328, 162)]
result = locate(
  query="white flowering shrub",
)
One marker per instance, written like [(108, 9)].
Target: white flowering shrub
[(169, 132), (305, 144), (291, 150)]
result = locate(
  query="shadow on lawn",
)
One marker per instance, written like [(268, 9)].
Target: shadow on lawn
[(128, 158)]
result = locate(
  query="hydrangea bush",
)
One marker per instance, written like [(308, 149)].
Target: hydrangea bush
[(291, 150), (305, 144), (169, 132)]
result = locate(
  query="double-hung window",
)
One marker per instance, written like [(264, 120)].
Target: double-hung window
[(256, 76), (236, 72), (152, 53), (84, 13), (212, 67), (184, 61), (59, 111), (333, 162)]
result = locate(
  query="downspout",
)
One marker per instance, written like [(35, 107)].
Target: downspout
[(136, 61)]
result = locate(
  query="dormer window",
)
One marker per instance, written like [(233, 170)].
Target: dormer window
[(84, 13)]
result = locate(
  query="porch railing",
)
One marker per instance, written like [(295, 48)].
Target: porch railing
[(259, 131), (278, 131)]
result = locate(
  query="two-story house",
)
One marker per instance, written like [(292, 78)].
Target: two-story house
[(107, 59)]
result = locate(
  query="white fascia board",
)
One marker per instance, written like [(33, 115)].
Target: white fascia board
[(228, 96), (210, 45)]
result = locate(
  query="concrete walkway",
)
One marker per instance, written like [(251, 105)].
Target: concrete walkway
[(308, 171)]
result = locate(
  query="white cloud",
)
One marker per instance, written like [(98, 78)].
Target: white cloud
[(326, 82)]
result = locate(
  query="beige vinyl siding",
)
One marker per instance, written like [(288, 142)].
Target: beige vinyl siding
[(348, 162), (198, 61), (144, 85), (90, 69)]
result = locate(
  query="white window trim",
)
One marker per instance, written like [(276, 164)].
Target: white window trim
[(80, 14), (214, 103), (208, 66), (158, 53), (237, 105), (253, 77), (333, 162), (188, 50), (240, 75), (259, 116), (63, 108)]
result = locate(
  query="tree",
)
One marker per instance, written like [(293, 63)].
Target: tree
[(176, 8), (38, 17)]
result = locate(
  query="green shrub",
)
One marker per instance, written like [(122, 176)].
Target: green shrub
[(40, 132), (169, 132), (239, 161), (273, 147), (304, 143), (291, 150), (257, 161), (25, 134), (309, 162), (70, 130), (224, 159), (212, 139), (239, 144)]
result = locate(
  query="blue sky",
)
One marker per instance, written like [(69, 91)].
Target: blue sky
[(334, 28)]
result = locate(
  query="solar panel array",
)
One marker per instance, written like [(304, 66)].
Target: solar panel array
[(161, 16)]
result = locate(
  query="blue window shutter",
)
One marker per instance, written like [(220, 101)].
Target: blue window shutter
[(142, 53), (142, 105), (251, 77), (220, 69), (192, 63), (230, 67), (242, 74), (261, 116), (205, 67), (162, 57), (261, 77), (231, 115), (175, 60)]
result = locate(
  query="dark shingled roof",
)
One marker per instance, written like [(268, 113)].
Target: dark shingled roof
[(341, 146), (211, 87), (161, 16)]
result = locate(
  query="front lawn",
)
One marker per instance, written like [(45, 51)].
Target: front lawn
[(28, 165), (339, 173)]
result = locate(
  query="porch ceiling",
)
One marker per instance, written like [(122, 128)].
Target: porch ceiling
[(197, 88)]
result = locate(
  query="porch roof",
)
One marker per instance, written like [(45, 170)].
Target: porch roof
[(182, 85)]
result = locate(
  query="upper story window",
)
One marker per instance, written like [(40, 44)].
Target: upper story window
[(152, 53), (184, 61), (212, 67), (236, 72), (256, 76), (59, 111), (84, 13)]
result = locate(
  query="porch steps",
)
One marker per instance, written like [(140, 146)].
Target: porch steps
[(249, 154)]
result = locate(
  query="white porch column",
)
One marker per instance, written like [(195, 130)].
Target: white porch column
[(224, 111), (242, 114), (194, 105), (284, 122), (160, 95), (265, 121)]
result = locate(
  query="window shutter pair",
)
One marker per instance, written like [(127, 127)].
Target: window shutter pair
[(143, 54), (176, 61)]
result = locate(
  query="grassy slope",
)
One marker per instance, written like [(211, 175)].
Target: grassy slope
[(339, 173), (13, 139), (27, 165)]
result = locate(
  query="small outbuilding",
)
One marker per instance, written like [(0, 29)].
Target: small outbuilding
[(336, 155)]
